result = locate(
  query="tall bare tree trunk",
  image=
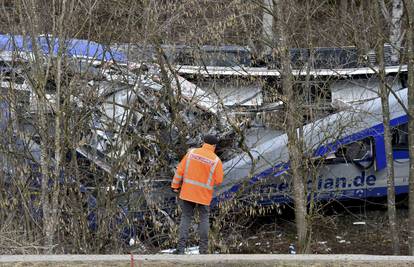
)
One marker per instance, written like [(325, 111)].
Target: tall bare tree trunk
[(44, 70), (267, 26), (54, 201), (394, 21), (396, 34), (310, 170), (384, 94), (293, 120), (410, 52), (38, 64)]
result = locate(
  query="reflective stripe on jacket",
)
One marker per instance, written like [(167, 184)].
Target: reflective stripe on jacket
[(197, 173)]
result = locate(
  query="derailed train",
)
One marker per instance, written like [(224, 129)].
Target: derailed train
[(346, 152), (345, 149), (335, 142)]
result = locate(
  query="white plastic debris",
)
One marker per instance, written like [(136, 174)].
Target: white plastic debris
[(131, 242), (341, 241), (192, 251), (187, 251), (338, 237), (168, 251), (292, 249), (258, 244), (359, 223), (110, 188)]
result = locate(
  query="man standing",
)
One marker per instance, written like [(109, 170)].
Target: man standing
[(197, 174)]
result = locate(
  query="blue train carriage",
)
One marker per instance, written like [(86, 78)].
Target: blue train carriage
[(346, 151)]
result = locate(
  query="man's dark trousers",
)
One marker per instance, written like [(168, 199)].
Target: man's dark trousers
[(186, 217)]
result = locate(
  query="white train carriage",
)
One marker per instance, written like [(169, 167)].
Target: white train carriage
[(346, 150)]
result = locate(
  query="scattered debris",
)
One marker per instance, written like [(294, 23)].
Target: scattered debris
[(292, 249), (359, 223), (168, 251), (187, 251)]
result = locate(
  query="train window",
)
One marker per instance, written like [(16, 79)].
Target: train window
[(400, 136), (360, 153), (360, 150)]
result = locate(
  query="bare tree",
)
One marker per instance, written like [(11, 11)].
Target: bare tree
[(133, 142), (394, 20), (268, 26), (384, 94), (49, 197), (409, 6), (293, 122)]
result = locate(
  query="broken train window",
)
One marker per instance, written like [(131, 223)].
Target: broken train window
[(400, 137)]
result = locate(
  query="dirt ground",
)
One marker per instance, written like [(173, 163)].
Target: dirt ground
[(346, 228), (358, 229)]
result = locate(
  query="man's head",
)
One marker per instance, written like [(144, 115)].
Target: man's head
[(210, 139)]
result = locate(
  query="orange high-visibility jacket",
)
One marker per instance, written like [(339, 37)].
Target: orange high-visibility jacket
[(197, 173)]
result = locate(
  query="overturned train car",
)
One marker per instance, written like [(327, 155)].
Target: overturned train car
[(128, 130)]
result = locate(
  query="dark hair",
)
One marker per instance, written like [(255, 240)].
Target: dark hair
[(210, 139)]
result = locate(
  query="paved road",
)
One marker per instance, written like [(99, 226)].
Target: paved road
[(213, 260)]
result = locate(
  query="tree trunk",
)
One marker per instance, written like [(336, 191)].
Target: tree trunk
[(55, 192), (384, 94), (410, 52), (43, 69), (40, 78), (267, 26), (396, 30), (292, 119)]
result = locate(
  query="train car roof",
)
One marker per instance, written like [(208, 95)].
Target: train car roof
[(265, 72), (50, 45)]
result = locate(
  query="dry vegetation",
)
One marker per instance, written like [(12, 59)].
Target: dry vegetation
[(48, 206)]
